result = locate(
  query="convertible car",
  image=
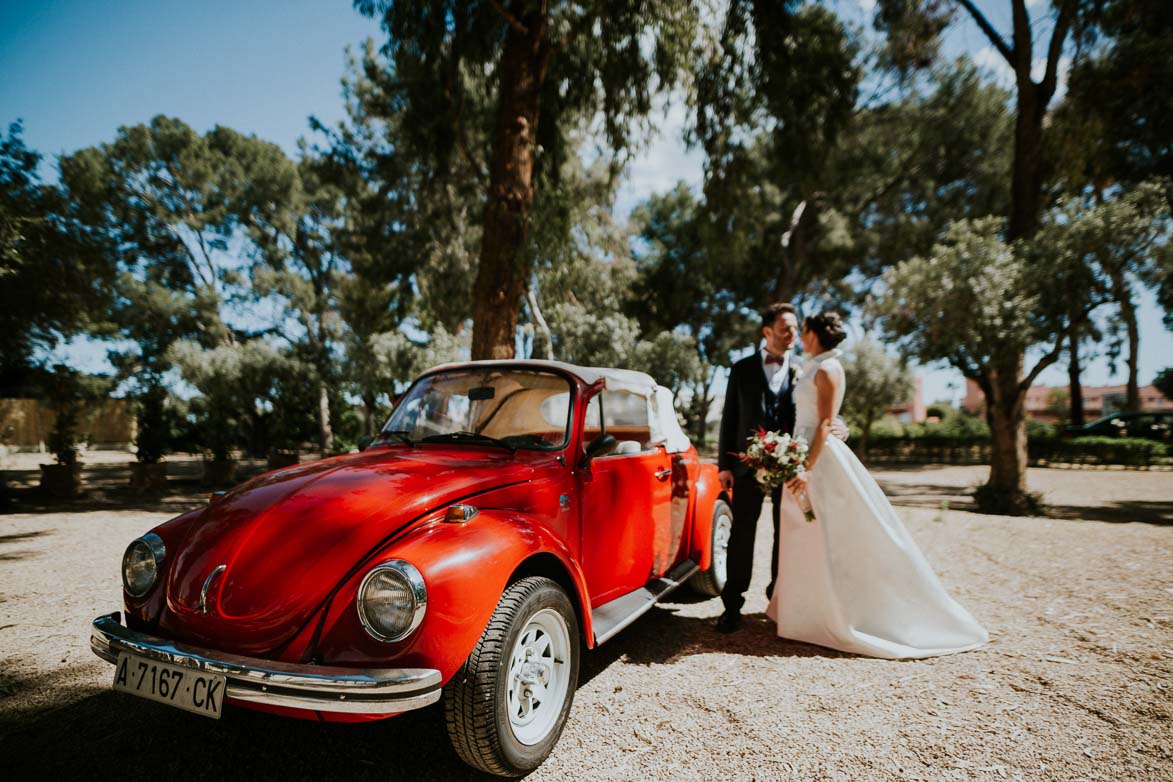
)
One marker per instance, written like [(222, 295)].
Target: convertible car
[(510, 514)]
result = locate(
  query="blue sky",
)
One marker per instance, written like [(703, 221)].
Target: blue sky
[(75, 71)]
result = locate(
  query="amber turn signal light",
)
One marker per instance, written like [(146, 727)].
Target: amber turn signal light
[(459, 514)]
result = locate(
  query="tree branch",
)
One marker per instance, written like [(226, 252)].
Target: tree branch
[(987, 28), (536, 311), (1023, 42), (513, 21), (1055, 51)]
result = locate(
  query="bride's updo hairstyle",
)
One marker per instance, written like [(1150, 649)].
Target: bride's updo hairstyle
[(827, 326)]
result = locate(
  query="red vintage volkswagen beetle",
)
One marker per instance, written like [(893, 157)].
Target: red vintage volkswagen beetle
[(509, 513)]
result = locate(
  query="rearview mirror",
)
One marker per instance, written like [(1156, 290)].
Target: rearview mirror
[(601, 446)]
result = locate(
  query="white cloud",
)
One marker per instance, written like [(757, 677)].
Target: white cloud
[(989, 59), (867, 6)]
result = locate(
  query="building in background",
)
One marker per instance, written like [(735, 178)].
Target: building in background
[(912, 411), (1052, 403)]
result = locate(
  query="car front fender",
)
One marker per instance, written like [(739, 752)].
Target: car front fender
[(465, 567)]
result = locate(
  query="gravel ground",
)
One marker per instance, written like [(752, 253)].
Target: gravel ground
[(1074, 685)]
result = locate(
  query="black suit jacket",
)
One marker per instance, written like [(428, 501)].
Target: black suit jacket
[(745, 410)]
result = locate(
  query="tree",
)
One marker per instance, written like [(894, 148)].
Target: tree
[(1120, 93), (234, 379), (789, 67), (919, 23), (168, 201), (979, 304), (301, 265), (1121, 240), (878, 381), (55, 275), (681, 298), (544, 68)]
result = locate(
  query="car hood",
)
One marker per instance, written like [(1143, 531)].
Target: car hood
[(286, 539)]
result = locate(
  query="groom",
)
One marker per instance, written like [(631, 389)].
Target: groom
[(760, 394)]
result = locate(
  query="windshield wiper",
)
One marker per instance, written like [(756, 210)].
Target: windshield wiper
[(468, 437), (401, 434)]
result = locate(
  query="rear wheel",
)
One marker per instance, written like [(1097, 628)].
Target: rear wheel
[(506, 706), (710, 582)]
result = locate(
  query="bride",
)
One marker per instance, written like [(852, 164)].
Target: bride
[(853, 579)]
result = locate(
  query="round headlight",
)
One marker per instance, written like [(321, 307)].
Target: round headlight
[(391, 600), (140, 564)]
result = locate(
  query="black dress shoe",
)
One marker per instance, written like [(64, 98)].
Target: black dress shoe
[(728, 623)]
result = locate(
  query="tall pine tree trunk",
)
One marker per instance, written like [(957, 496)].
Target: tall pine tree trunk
[(1026, 184), (504, 267), (1122, 293), (1074, 384), (325, 431), (1128, 313)]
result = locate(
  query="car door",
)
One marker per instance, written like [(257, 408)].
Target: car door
[(625, 500)]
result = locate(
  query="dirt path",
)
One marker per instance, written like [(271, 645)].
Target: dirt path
[(1075, 684)]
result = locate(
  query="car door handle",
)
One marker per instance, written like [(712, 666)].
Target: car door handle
[(662, 475)]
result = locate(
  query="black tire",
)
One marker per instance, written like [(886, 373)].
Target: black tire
[(476, 700), (710, 582)]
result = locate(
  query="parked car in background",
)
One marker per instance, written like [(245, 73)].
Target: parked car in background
[(509, 514), (1150, 426)]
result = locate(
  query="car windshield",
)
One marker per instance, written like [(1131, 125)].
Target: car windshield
[(511, 408)]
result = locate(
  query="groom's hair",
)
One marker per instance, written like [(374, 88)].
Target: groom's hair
[(774, 311)]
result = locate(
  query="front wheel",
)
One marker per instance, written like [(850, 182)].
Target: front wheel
[(710, 582), (506, 706)]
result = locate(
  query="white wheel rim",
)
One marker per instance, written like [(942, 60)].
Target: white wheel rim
[(539, 676), (722, 529)]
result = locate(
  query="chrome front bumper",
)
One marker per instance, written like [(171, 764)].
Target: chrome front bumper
[(274, 683)]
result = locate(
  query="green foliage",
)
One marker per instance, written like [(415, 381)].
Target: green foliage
[(972, 303), (913, 30), (55, 275), (153, 433), (1164, 382), (483, 89), (67, 391), (939, 410), (1132, 452), (876, 381), (1119, 91), (1041, 430), (235, 382)]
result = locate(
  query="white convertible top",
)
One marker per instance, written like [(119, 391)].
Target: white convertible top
[(661, 411)]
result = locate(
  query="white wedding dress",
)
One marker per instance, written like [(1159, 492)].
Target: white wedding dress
[(854, 579)]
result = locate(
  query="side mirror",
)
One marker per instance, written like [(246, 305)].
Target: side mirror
[(365, 441), (600, 446)]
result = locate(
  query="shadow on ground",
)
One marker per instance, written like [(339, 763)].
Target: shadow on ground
[(1120, 511), (136, 738), (955, 498)]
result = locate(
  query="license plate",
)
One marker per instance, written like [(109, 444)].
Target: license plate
[(201, 693)]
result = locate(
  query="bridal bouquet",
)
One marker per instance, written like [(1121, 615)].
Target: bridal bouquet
[(776, 458)]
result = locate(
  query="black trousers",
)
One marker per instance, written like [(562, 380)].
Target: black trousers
[(747, 506)]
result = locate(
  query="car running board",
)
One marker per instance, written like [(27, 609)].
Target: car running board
[(609, 618)]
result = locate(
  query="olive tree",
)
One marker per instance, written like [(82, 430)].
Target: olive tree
[(878, 381), (980, 304)]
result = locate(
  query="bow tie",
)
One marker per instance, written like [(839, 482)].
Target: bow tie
[(771, 359)]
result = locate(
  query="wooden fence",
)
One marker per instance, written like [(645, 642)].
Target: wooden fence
[(25, 424)]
